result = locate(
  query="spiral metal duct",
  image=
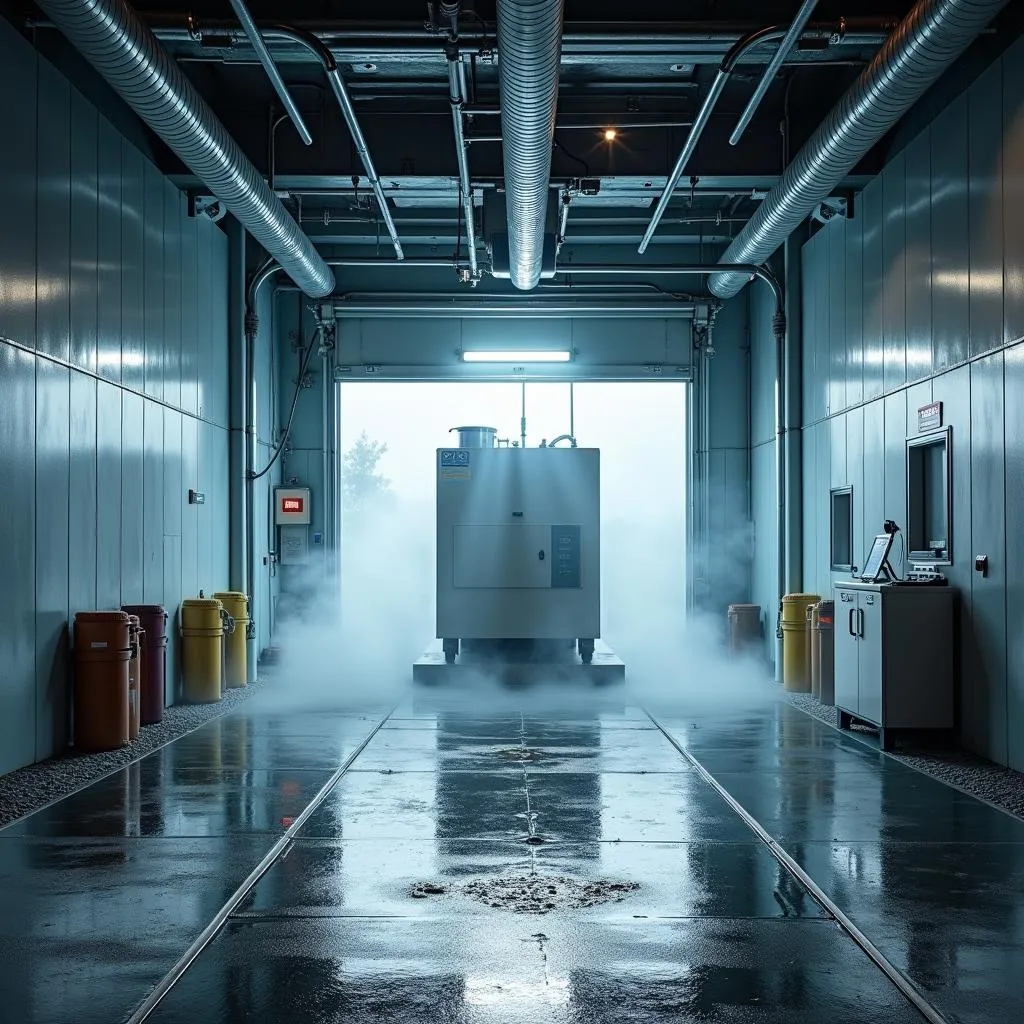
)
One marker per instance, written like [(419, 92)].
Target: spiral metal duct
[(529, 52), (112, 37), (924, 44)]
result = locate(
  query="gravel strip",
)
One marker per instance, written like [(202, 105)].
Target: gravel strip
[(36, 785), (1001, 786)]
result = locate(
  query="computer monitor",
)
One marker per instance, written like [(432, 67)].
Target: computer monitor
[(875, 565)]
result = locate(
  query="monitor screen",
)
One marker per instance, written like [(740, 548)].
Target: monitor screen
[(876, 557)]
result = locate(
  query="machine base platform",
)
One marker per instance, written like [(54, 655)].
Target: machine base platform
[(431, 668)]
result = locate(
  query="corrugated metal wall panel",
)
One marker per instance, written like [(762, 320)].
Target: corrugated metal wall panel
[(835, 274), (822, 510), (862, 528), (108, 495), (52, 555), (919, 257), (1013, 192), (133, 342), (153, 503), (189, 316), (984, 705), (203, 354), (18, 187), (82, 533), (153, 325), (132, 500), (17, 560), (109, 184), (985, 135), (873, 271), (84, 226), (854, 320), (873, 473), (54, 214), (173, 215), (950, 237), (811, 486), (190, 521), (894, 281), (217, 379), (1014, 556)]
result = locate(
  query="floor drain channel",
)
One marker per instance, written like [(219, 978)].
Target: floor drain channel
[(533, 894)]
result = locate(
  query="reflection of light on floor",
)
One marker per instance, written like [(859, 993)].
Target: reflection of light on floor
[(506, 992)]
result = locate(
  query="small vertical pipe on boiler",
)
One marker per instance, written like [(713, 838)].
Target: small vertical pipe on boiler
[(522, 421)]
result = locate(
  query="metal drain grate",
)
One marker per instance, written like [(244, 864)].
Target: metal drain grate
[(542, 894)]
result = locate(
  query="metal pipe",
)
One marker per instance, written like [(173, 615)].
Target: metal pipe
[(725, 70), (931, 37), (563, 221), (522, 422), (425, 308), (771, 70), (263, 54), (117, 43), (530, 42), (337, 84), (458, 97)]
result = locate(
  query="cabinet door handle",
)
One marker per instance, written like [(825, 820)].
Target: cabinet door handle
[(860, 621), (852, 610)]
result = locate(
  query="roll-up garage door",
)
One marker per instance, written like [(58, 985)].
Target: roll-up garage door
[(601, 347)]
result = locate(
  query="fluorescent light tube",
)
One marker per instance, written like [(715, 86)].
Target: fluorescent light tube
[(541, 356)]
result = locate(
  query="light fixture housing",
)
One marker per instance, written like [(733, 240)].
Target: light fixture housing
[(610, 135), (505, 356)]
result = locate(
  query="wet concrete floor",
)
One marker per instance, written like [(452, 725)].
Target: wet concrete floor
[(528, 864)]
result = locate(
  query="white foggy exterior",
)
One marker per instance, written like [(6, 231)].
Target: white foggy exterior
[(518, 543)]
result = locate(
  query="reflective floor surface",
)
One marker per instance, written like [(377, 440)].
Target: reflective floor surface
[(401, 896)]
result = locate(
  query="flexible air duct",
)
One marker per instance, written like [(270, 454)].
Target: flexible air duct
[(529, 52), (112, 37), (923, 45)]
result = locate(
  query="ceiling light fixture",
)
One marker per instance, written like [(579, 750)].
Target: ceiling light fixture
[(538, 356), (610, 135)]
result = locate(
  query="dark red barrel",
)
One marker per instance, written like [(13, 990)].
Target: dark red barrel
[(152, 619)]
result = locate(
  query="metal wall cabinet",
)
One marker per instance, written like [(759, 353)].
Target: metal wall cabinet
[(894, 657)]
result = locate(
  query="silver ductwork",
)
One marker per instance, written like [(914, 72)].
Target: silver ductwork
[(529, 48), (114, 40), (932, 36)]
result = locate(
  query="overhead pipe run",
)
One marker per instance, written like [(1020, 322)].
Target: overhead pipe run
[(771, 70), (729, 62), (456, 82), (337, 84), (115, 41), (530, 43), (252, 33), (931, 37)]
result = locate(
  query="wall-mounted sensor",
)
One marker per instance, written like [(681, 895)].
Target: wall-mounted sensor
[(981, 564)]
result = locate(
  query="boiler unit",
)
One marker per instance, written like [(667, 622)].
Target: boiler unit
[(518, 547)]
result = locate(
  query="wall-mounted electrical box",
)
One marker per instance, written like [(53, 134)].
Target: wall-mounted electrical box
[(841, 511), (292, 518), (929, 499)]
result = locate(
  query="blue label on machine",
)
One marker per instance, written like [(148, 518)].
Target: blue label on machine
[(565, 556), (452, 457)]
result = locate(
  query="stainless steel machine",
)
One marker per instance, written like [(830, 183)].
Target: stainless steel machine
[(518, 552)]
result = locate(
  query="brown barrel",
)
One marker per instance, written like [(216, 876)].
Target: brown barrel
[(744, 626), (102, 656), (153, 670)]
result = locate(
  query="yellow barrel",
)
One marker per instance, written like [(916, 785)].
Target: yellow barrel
[(202, 638), (237, 606), (796, 674)]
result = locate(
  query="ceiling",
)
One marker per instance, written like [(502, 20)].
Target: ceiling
[(641, 68)]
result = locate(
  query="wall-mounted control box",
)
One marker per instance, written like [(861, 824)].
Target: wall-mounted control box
[(292, 518)]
